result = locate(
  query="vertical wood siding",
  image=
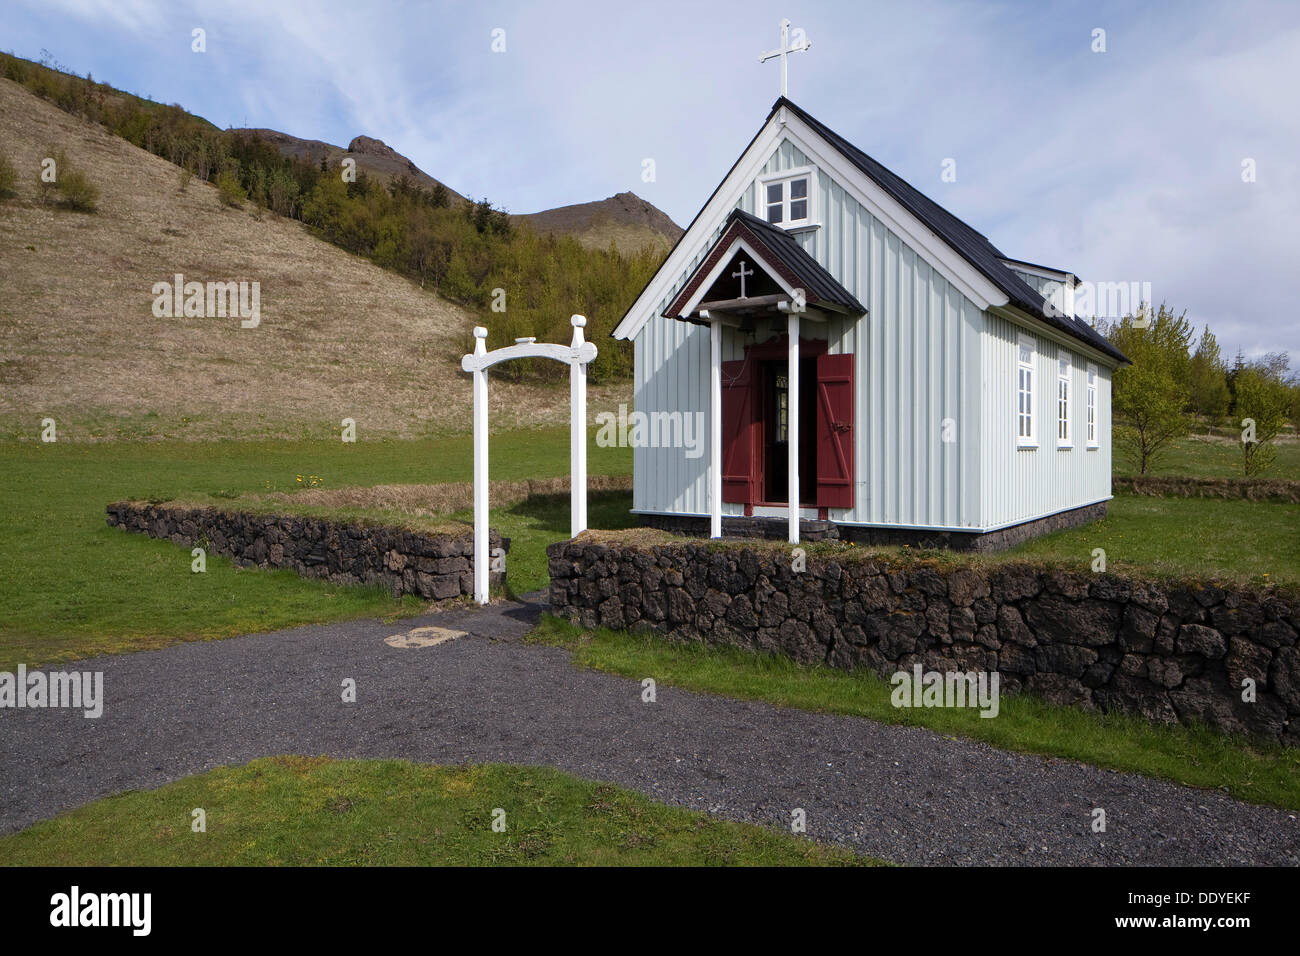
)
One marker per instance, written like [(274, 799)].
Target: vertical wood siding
[(924, 353), (1025, 483)]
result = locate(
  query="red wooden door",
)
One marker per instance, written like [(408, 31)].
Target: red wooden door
[(739, 424), (834, 431)]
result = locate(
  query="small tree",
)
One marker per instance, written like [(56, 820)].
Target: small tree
[(229, 190), (47, 177), (1209, 379), (1263, 407), (1150, 395)]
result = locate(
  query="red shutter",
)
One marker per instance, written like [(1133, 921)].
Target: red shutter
[(738, 426), (834, 431)]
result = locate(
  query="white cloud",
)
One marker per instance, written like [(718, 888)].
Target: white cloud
[(1117, 165)]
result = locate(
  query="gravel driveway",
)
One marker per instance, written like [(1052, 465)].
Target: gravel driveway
[(900, 793)]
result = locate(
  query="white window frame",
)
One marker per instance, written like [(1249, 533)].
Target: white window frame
[(1092, 431), (784, 178), (1064, 399), (1026, 413)]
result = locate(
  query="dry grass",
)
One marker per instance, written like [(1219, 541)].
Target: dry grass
[(433, 500), (339, 337), (1252, 489)]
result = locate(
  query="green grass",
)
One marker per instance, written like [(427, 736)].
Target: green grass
[(1235, 540), (295, 811), (74, 586), (1197, 757), (1197, 457), (533, 524)]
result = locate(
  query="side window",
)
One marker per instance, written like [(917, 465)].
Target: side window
[(1026, 420), (1091, 419), (1063, 372)]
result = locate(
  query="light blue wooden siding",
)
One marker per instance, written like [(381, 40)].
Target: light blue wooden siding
[(917, 364), (1044, 287), (1026, 483), (671, 362)]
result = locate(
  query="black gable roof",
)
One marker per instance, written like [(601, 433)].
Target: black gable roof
[(970, 244), (819, 283)]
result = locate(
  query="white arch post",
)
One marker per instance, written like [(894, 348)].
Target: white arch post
[(578, 355)]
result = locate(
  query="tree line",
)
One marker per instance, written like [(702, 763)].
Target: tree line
[(1175, 387), (473, 253)]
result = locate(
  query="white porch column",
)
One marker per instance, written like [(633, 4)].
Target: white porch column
[(481, 558), (792, 425), (577, 434), (715, 429)]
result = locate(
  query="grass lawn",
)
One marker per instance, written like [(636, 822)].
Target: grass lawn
[(75, 587), (1196, 757), (299, 811), (1244, 541), (1213, 458), (533, 524)]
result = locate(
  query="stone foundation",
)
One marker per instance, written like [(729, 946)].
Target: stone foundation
[(1180, 653), (432, 566), (810, 530)]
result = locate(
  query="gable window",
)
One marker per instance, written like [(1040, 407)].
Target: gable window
[(1063, 402), (1092, 407), (1026, 426), (786, 199)]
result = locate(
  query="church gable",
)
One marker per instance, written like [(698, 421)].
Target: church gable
[(806, 179), (789, 170)]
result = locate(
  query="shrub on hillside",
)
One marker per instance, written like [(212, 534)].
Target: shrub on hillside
[(58, 180), (47, 183), (8, 177), (77, 191), (229, 191)]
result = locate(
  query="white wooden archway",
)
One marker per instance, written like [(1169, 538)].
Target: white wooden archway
[(579, 354)]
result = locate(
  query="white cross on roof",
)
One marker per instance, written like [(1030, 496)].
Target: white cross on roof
[(802, 44)]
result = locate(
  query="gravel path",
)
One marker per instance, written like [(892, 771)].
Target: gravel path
[(904, 794)]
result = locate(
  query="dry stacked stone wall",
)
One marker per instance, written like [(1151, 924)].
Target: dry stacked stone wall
[(432, 566), (1173, 653)]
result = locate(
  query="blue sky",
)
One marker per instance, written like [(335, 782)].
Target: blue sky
[(1123, 165)]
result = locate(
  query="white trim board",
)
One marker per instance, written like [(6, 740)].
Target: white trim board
[(1025, 322), (1015, 265)]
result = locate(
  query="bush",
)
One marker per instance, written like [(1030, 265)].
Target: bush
[(46, 187), (78, 192), (183, 181), (8, 177), (71, 186), (229, 191)]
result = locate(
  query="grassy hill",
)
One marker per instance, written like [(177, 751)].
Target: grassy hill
[(373, 156), (625, 220), (339, 336)]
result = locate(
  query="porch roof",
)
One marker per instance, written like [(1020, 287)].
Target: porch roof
[(781, 255)]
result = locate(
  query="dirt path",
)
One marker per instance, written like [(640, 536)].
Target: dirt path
[(900, 793)]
